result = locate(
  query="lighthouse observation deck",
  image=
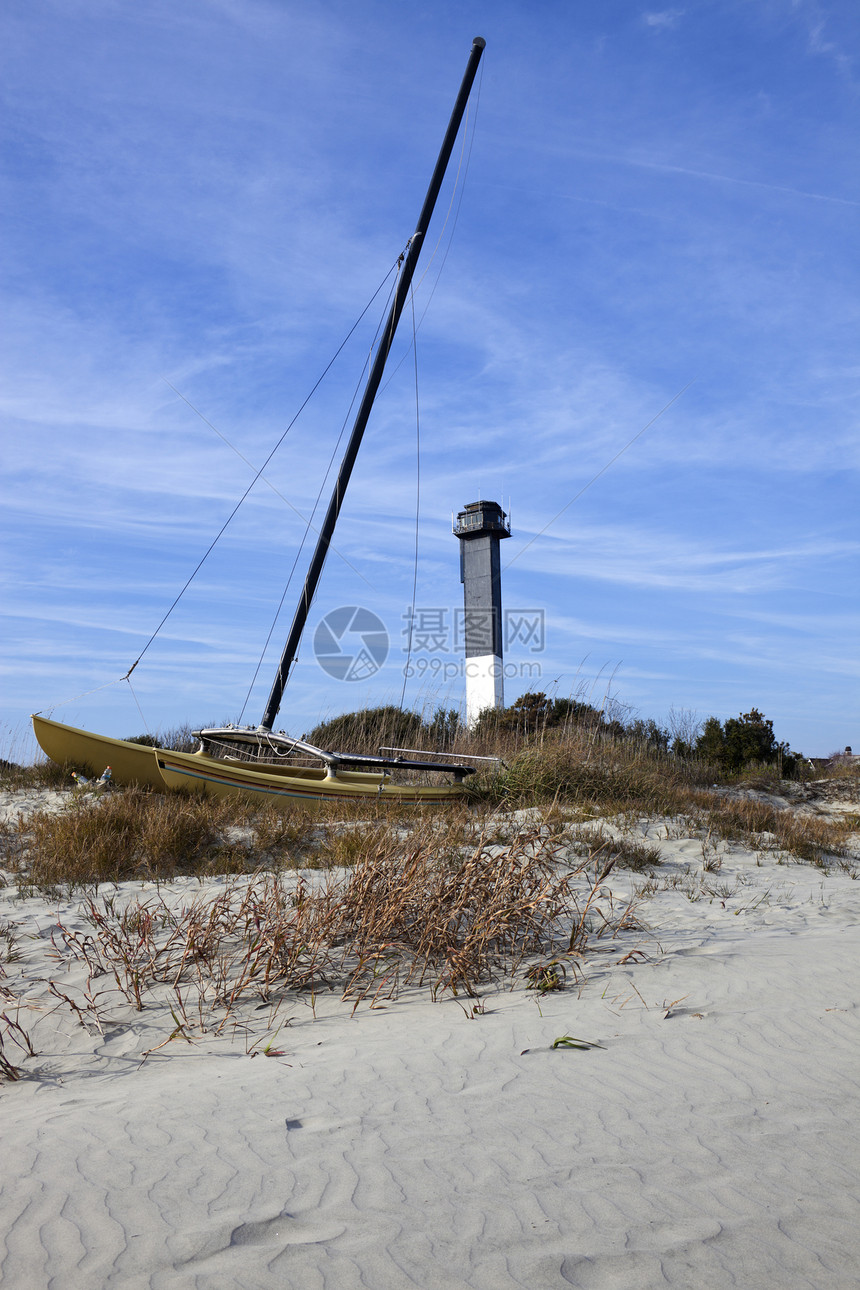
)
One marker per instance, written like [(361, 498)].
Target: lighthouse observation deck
[(482, 517)]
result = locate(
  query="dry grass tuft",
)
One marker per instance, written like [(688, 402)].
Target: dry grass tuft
[(13, 1036), (132, 834), (625, 852), (12, 1033), (136, 833), (814, 838), (415, 918), (399, 917), (41, 774), (610, 777)]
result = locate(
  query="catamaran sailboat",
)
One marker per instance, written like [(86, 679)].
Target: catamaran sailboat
[(258, 761)]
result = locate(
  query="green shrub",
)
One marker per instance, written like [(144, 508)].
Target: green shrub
[(365, 731), (747, 740)]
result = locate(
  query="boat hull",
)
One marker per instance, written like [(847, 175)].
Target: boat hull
[(67, 745), (143, 765), (195, 771)]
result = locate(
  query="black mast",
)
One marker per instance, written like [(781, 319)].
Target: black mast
[(373, 381)]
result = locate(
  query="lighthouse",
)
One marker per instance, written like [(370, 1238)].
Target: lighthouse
[(480, 527)]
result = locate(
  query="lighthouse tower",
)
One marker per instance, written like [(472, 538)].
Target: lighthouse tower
[(480, 527)]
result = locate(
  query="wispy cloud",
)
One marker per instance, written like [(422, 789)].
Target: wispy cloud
[(818, 21), (639, 557), (211, 194), (735, 179), (663, 19)]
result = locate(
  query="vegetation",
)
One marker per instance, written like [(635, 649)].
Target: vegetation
[(177, 739), (365, 731), (394, 919), (390, 727), (564, 757), (533, 714), (742, 742), (41, 774), (508, 879), (560, 755)]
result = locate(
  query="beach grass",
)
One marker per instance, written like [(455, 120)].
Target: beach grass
[(371, 898), (398, 917), (569, 776)]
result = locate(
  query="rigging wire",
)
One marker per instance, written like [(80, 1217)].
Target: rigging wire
[(462, 191), (259, 473), (137, 705), (266, 481), (331, 461), (459, 188), (417, 506), (64, 703), (257, 476)]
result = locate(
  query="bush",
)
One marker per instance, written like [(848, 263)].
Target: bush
[(747, 740), (533, 713), (365, 731), (179, 739)]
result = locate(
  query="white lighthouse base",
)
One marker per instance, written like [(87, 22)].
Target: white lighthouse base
[(485, 685)]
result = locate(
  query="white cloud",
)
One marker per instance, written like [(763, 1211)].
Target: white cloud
[(816, 21), (211, 196), (664, 18)]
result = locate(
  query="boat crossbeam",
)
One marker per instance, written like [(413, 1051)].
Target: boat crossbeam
[(255, 737)]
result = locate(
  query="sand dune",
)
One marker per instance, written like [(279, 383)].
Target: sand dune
[(711, 1141)]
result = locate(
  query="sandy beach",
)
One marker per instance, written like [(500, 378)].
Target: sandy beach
[(709, 1137)]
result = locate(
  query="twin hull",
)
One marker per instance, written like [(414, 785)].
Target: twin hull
[(132, 763)]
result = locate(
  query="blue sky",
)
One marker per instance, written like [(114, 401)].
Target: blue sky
[(202, 197)]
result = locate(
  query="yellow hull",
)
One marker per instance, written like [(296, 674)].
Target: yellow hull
[(195, 771), (159, 768), (129, 763)]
